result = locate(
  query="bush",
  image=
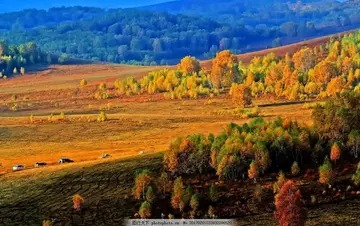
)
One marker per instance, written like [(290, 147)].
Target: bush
[(78, 202), (102, 117), (47, 223), (83, 82)]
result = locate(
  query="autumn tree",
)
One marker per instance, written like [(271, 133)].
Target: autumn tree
[(194, 202), (258, 193), (304, 60), (290, 207), (336, 85), (78, 202), (323, 72), (164, 183), (150, 196), (325, 172), (356, 177), (253, 171), (213, 193), (224, 69), (142, 181), (280, 182), (145, 210), (177, 201), (354, 142), (189, 65), (241, 94), (262, 157), (295, 169), (335, 152)]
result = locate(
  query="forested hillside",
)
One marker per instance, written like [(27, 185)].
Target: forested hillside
[(122, 35), (147, 36)]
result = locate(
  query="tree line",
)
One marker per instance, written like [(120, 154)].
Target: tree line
[(317, 72)]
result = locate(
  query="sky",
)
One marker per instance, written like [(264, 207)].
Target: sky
[(16, 5)]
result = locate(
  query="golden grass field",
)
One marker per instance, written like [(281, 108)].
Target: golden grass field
[(139, 123), (146, 123)]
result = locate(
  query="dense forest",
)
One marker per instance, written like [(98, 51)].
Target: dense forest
[(147, 36), (202, 173)]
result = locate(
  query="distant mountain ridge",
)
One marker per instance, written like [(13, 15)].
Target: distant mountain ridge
[(11, 6)]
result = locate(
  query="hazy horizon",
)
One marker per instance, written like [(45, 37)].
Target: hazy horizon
[(8, 6)]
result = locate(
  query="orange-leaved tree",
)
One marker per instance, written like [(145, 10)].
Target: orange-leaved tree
[(335, 152), (142, 181), (241, 94), (253, 171), (189, 65), (177, 199), (290, 210), (224, 70)]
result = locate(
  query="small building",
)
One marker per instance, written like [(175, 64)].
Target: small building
[(65, 160), (18, 167), (39, 164)]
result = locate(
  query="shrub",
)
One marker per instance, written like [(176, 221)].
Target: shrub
[(47, 223), (295, 170), (145, 210), (213, 193), (142, 181), (62, 116), (325, 172), (31, 118), (356, 177), (102, 117), (290, 210), (78, 202), (83, 82)]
